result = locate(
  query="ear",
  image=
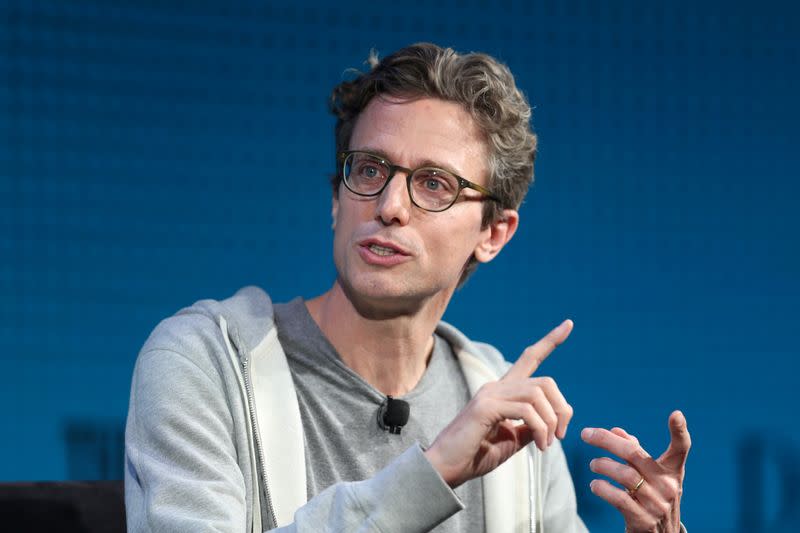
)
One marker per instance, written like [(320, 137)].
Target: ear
[(496, 235), (334, 209)]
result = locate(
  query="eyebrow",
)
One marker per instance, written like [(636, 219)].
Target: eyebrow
[(426, 163)]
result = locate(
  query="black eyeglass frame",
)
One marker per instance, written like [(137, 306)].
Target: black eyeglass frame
[(463, 183)]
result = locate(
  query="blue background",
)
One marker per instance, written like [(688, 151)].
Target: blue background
[(154, 153)]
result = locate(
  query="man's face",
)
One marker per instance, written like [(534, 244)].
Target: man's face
[(392, 256)]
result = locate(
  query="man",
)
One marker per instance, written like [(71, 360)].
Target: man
[(246, 416)]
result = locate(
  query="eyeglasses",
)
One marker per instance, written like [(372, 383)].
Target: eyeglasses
[(430, 188)]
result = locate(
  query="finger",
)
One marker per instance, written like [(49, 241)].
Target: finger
[(525, 412), (533, 355), (635, 515), (623, 448), (562, 409), (544, 395), (625, 475), (679, 444), (622, 433), (630, 479), (546, 412)]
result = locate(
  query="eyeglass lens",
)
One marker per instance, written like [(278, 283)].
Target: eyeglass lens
[(430, 188)]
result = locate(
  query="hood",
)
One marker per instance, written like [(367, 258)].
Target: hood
[(248, 315)]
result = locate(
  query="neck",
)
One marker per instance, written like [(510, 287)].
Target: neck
[(389, 350)]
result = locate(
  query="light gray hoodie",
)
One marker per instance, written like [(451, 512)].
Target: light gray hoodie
[(214, 442)]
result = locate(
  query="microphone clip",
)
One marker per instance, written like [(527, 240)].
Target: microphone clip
[(393, 415)]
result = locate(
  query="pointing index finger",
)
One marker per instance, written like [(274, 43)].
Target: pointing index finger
[(533, 355)]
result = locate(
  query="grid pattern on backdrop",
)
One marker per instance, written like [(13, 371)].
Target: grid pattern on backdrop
[(156, 153)]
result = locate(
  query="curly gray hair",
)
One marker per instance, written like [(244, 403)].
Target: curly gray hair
[(486, 89)]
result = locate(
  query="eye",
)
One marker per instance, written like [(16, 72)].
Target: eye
[(433, 181), (369, 171), (433, 184)]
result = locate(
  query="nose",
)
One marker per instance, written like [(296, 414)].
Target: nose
[(394, 204)]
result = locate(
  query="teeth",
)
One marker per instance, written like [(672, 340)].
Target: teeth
[(381, 250)]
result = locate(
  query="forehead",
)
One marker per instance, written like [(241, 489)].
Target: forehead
[(423, 131)]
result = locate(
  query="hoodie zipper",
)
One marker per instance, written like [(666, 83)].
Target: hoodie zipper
[(532, 499), (256, 438)]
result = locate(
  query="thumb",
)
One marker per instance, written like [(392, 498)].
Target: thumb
[(680, 442)]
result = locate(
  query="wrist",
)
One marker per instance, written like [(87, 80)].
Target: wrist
[(440, 466)]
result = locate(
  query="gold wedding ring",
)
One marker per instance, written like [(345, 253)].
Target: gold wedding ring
[(638, 485)]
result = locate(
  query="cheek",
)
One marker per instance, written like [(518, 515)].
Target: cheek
[(340, 234), (346, 219), (455, 241)]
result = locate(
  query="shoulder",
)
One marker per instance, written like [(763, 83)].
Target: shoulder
[(197, 333)]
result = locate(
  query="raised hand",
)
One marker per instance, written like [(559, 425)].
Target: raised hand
[(652, 501), (486, 432)]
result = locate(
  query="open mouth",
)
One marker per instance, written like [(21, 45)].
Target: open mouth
[(381, 250)]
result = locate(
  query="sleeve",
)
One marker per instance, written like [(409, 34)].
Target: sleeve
[(181, 467), (182, 471), (408, 495)]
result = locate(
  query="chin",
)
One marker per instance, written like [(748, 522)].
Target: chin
[(381, 297), (378, 289)]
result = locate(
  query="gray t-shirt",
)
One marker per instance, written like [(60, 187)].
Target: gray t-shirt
[(339, 411)]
